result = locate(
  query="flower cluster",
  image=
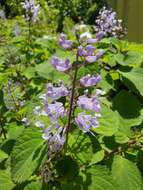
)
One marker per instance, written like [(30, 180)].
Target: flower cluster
[(31, 10), (87, 104), (12, 95), (108, 25), (52, 108)]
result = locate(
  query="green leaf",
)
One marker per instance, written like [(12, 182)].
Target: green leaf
[(135, 77), (34, 186), (27, 154), (3, 155), (29, 72), (85, 147), (47, 71), (126, 174), (97, 157), (108, 123), (133, 58), (5, 180), (99, 178), (14, 130), (129, 110), (121, 138)]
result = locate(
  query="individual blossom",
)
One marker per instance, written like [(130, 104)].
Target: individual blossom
[(94, 58), (54, 110), (89, 80), (64, 43), (56, 92), (56, 139), (40, 124), (98, 37), (87, 51), (31, 10), (60, 65), (107, 23), (87, 103), (85, 36), (86, 122), (25, 121)]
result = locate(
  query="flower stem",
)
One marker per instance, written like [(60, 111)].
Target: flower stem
[(71, 101)]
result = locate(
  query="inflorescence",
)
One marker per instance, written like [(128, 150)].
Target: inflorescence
[(88, 104), (31, 10)]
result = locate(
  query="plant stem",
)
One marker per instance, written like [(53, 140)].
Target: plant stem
[(71, 100), (2, 129)]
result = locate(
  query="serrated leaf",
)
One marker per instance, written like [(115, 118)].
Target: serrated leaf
[(5, 180), (121, 138), (34, 186), (47, 71), (26, 154), (129, 111), (97, 157), (135, 77), (126, 174), (100, 179), (84, 146), (108, 123), (3, 155), (133, 58)]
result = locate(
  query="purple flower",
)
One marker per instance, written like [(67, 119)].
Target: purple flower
[(40, 124), (86, 122), (31, 10), (88, 51), (56, 92), (88, 80), (55, 140), (47, 133), (60, 65), (81, 51), (91, 59), (86, 103), (99, 36), (94, 58), (108, 24), (64, 43), (55, 110), (92, 40)]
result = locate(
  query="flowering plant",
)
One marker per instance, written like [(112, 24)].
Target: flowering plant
[(74, 121)]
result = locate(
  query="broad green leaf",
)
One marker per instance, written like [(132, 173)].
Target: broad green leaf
[(121, 138), (135, 77), (47, 71), (133, 58), (108, 123), (34, 186), (14, 131), (99, 178), (27, 154), (85, 147), (107, 82), (126, 174), (5, 180), (129, 110), (3, 155), (29, 72), (97, 157)]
